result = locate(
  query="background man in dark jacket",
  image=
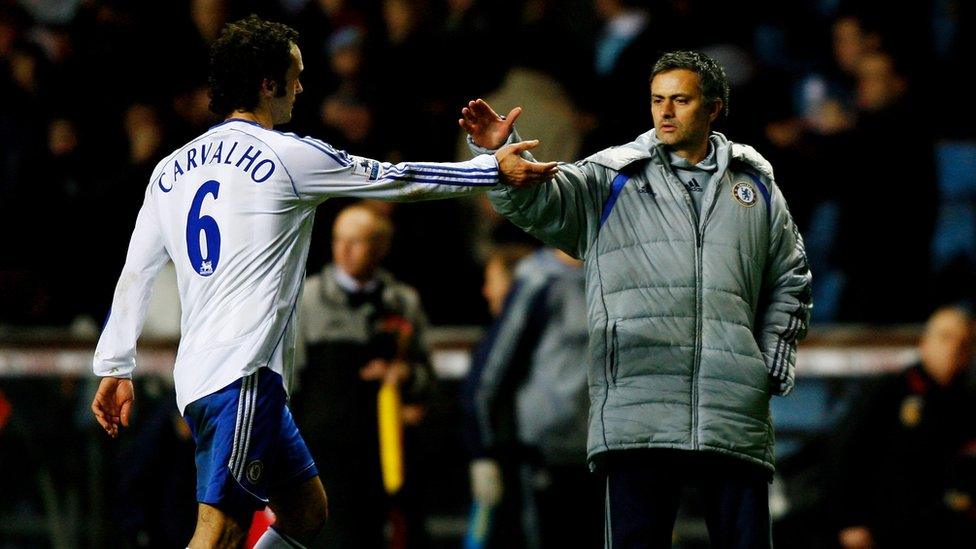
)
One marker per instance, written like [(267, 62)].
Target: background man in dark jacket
[(906, 446), (361, 328)]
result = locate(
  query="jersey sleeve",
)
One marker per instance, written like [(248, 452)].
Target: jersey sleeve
[(319, 171), (115, 354)]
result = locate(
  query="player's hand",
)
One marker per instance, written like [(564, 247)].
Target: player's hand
[(486, 128), (113, 404), (519, 172)]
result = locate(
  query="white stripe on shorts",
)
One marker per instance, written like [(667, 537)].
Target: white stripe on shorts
[(242, 426)]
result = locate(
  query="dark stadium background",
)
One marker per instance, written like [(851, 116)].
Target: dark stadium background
[(879, 171)]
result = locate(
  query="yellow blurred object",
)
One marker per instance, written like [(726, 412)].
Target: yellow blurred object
[(391, 437)]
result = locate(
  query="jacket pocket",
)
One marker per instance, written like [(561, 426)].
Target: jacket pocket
[(612, 359)]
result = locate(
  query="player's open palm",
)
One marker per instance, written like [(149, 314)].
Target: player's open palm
[(485, 127), (519, 172), (113, 404)]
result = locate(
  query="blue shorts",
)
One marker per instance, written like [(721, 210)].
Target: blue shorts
[(247, 444)]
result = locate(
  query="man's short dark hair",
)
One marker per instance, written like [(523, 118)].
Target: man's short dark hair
[(245, 54), (714, 82)]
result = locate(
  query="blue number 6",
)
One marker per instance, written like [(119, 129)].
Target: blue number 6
[(205, 266)]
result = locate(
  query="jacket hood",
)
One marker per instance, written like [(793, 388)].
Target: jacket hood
[(646, 147)]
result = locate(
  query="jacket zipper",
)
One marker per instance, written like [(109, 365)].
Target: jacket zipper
[(696, 362)]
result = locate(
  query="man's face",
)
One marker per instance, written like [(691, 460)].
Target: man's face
[(281, 107), (357, 248), (946, 347), (681, 116), (497, 283)]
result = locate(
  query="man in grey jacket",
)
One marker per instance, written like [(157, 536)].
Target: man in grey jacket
[(697, 293), (530, 357)]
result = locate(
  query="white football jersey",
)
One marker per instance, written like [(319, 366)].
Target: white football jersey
[(233, 209)]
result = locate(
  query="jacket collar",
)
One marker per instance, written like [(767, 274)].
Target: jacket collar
[(648, 147)]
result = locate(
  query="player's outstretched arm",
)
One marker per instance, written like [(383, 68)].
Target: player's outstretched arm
[(486, 128), (516, 171), (113, 404)]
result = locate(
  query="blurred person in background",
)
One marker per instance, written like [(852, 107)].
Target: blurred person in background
[(538, 452), (631, 33), (360, 327), (901, 443), (499, 506), (239, 272), (347, 112), (885, 262), (827, 95), (698, 290)]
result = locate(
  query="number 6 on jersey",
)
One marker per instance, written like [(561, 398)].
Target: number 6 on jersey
[(195, 223)]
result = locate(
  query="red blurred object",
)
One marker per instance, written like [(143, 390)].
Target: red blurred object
[(5, 411), (262, 520)]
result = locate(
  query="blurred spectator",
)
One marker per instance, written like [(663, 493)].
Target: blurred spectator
[(885, 256), (538, 453), (347, 113), (360, 327), (893, 485), (631, 38), (827, 97), (409, 37), (505, 528), (465, 34), (53, 66)]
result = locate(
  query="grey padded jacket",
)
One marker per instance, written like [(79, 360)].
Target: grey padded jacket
[(693, 320)]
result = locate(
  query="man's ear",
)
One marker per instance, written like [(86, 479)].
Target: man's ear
[(268, 85), (716, 110)]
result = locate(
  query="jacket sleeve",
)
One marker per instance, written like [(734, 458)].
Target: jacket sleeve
[(115, 354), (786, 296), (564, 212)]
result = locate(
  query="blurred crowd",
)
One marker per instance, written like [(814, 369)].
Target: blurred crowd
[(839, 95)]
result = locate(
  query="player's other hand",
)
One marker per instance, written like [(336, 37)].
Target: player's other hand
[(486, 481), (519, 172), (113, 404), (485, 127)]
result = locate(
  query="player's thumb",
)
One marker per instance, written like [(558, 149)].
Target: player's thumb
[(524, 146), (513, 115)]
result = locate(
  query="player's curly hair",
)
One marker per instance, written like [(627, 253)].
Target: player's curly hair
[(714, 82), (246, 53)]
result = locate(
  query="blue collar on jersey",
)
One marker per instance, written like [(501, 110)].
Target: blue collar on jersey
[(229, 120)]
